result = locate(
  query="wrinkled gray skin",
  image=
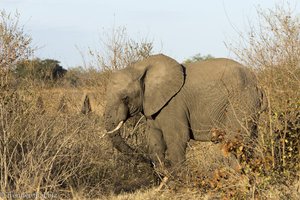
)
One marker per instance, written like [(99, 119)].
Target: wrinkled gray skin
[(182, 102)]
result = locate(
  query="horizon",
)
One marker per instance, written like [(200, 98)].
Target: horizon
[(64, 30)]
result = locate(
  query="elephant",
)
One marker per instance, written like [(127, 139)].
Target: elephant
[(182, 102)]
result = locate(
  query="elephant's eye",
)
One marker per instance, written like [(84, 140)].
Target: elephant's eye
[(125, 99)]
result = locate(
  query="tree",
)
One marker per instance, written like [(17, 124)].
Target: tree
[(198, 57), (44, 70), (14, 47), (119, 50), (14, 43)]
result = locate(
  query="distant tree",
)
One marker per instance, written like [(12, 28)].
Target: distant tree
[(198, 57), (45, 70), (50, 69)]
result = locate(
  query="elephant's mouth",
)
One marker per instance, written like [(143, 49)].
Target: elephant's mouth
[(134, 112), (117, 127)]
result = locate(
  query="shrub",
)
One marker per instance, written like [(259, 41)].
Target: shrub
[(272, 50)]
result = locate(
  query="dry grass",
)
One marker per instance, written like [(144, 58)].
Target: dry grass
[(48, 146), (59, 152), (73, 98)]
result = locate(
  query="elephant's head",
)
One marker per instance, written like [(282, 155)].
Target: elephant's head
[(145, 87)]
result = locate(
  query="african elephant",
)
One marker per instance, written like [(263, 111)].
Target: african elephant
[(182, 102)]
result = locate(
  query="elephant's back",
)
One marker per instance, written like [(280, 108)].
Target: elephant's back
[(213, 70), (215, 62)]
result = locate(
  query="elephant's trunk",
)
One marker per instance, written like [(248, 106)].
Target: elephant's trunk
[(119, 143)]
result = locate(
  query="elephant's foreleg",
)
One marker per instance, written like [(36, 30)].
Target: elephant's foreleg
[(157, 146), (176, 140)]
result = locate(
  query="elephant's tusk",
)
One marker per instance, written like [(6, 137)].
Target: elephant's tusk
[(117, 128)]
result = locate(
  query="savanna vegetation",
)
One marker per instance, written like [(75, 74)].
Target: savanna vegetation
[(53, 143)]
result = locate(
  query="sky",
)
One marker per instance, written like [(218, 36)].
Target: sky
[(65, 29)]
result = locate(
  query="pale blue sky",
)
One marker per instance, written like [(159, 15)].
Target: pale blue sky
[(178, 28)]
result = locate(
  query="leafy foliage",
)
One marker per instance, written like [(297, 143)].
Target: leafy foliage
[(198, 57)]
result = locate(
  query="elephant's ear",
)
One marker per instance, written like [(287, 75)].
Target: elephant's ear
[(162, 79)]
